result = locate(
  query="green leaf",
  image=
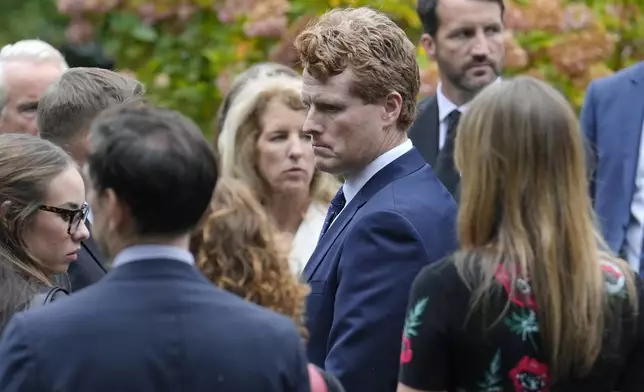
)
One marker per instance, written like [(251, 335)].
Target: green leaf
[(145, 33), (413, 318), (492, 378)]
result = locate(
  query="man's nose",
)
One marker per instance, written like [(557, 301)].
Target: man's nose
[(311, 124), (481, 46)]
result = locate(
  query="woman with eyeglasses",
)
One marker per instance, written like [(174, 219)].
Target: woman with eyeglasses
[(42, 220)]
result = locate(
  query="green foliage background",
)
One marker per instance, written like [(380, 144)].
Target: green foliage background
[(31, 18), (187, 52)]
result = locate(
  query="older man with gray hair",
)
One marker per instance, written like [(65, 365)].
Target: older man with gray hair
[(27, 68)]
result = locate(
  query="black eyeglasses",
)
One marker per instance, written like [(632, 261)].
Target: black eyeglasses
[(73, 217)]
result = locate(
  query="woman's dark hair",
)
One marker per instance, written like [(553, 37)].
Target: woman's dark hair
[(27, 166)]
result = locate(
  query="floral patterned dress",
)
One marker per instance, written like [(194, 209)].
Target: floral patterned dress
[(445, 347)]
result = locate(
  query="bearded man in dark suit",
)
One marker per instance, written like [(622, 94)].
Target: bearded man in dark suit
[(465, 38)]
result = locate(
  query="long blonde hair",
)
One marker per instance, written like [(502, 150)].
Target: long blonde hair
[(525, 206)]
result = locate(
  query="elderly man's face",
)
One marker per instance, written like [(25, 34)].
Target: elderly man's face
[(25, 82)]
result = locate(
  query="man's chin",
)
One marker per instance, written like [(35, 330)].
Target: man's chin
[(327, 165), (475, 85)]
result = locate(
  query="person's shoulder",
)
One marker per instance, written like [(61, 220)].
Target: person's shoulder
[(421, 192), (56, 314), (610, 83), (257, 320), (440, 271), (424, 103)]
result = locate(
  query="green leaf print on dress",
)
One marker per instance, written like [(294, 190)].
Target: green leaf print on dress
[(492, 379), (523, 322), (412, 322)]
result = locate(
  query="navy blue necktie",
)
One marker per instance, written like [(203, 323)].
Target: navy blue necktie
[(337, 204), (641, 271), (445, 168)]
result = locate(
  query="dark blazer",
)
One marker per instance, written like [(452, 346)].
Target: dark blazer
[(88, 268), (363, 267), (611, 120), (152, 326), (424, 132)]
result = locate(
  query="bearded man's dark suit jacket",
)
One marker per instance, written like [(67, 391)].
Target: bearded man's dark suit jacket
[(89, 268), (424, 132)]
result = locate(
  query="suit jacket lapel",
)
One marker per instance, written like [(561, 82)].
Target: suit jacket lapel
[(424, 133), (408, 163), (329, 238)]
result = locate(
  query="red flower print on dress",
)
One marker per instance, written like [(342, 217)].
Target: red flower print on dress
[(406, 353), (522, 293), (412, 322), (614, 279), (530, 375)]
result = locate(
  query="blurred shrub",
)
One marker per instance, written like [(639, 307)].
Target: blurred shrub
[(187, 51), (22, 19)]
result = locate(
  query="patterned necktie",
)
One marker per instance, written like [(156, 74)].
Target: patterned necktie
[(445, 168), (337, 204)]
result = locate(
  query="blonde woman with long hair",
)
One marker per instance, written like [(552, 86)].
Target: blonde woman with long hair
[(532, 302)]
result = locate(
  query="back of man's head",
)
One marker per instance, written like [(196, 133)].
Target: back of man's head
[(157, 164), (68, 107)]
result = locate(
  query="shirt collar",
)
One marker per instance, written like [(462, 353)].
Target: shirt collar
[(445, 106), (146, 252), (353, 184)]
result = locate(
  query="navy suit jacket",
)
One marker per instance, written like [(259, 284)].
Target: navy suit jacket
[(611, 119), (361, 272), (152, 326)]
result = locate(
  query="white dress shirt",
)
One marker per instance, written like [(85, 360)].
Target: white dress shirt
[(147, 252), (635, 228), (445, 107), (354, 183)]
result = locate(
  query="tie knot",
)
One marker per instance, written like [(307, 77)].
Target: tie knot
[(453, 118), (338, 199)]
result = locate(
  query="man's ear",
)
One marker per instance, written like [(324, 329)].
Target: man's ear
[(393, 106), (113, 210), (429, 45)]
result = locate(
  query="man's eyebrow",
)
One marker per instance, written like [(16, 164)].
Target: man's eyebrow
[(320, 100)]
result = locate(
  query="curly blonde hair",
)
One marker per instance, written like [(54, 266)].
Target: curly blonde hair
[(378, 52), (237, 249)]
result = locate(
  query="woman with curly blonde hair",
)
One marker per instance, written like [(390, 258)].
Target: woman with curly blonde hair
[(239, 250)]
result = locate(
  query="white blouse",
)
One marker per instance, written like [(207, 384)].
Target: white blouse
[(306, 237)]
